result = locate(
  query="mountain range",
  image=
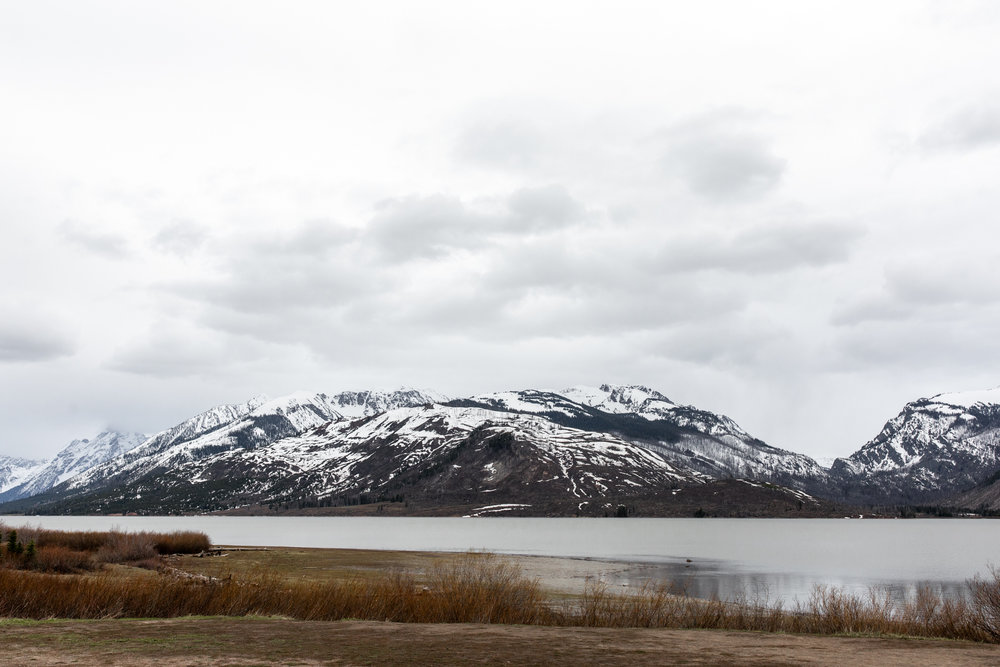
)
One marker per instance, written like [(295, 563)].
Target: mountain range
[(622, 450)]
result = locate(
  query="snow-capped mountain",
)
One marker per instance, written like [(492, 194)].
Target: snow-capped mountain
[(75, 458), (571, 451), (933, 448), (509, 448), (14, 471), (704, 441), (245, 427), (454, 454)]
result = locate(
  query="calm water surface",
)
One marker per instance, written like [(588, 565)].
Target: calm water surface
[(780, 558)]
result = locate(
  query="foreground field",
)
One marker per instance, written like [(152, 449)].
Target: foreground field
[(253, 641), (169, 598)]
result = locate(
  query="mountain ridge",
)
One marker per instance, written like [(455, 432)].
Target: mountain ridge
[(565, 451)]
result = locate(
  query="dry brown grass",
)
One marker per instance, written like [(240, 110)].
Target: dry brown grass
[(828, 611), (480, 588), (180, 542), (487, 592), (61, 560)]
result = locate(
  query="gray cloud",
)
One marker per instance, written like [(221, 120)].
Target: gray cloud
[(31, 341), (426, 227), (722, 157), (432, 227), (505, 144), (970, 128), (544, 207), (512, 316), (937, 344), (180, 238), (555, 265), (765, 249), (940, 281), (869, 309), (730, 342), (98, 242), (550, 289), (935, 288), (312, 266), (314, 238), (163, 354)]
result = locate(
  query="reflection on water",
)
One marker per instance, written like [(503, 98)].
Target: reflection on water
[(717, 579), (777, 559)]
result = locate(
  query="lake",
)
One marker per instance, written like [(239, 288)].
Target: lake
[(782, 558)]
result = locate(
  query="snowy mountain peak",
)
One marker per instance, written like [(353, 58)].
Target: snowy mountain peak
[(355, 404), (288, 403), (943, 444), (966, 399), (106, 441), (84, 454), (76, 458), (14, 470), (619, 399)]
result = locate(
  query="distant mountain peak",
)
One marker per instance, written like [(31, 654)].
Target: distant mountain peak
[(619, 399), (74, 459), (287, 402), (934, 446)]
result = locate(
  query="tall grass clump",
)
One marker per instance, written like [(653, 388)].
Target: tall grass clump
[(125, 548), (180, 542), (482, 588)]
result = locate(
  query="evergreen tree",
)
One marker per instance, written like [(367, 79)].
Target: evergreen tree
[(14, 546)]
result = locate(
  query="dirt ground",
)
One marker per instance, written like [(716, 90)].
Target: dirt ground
[(226, 641)]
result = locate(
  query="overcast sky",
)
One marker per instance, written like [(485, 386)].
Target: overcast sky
[(785, 212)]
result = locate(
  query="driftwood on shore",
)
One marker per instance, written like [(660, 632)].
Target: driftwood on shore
[(221, 551)]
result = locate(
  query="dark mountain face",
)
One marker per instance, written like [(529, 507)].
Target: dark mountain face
[(703, 441)]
